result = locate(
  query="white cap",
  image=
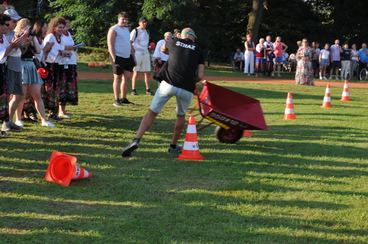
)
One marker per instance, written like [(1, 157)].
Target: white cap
[(12, 14)]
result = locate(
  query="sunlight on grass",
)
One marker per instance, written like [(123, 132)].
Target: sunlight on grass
[(299, 181)]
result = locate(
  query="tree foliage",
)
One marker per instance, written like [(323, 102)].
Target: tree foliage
[(220, 24)]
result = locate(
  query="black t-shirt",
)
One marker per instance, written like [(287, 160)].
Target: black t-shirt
[(346, 54), (180, 70)]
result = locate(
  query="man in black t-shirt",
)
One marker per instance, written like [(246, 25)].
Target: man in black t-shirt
[(346, 62), (178, 77)]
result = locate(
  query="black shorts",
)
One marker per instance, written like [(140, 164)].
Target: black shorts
[(336, 65), (123, 64), (315, 64)]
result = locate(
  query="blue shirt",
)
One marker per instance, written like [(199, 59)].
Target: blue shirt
[(363, 55)]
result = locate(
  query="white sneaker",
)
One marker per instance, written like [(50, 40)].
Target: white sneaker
[(321, 78), (47, 124), (324, 77), (64, 116), (19, 123)]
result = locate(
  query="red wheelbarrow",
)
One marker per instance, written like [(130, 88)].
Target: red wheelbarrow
[(231, 111)]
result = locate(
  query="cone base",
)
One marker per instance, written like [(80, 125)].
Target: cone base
[(326, 106), (197, 157), (290, 117), (345, 100)]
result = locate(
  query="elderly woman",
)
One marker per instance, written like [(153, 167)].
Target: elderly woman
[(304, 69)]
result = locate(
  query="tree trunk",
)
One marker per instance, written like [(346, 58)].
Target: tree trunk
[(254, 18)]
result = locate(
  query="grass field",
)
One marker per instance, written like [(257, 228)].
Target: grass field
[(303, 181)]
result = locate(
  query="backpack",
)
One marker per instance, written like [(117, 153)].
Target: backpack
[(136, 33)]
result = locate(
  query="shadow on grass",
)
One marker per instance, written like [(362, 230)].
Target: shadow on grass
[(168, 210)]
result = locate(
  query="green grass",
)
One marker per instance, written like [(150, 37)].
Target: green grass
[(303, 181)]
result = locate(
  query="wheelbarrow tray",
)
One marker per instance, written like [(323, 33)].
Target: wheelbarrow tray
[(230, 109)]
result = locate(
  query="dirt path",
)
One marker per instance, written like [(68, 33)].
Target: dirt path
[(108, 76)]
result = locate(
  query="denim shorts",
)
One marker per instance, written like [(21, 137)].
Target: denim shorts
[(279, 59), (164, 92), (324, 62)]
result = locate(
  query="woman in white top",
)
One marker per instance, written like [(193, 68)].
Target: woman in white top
[(54, 53), (5, 49), (68, 85), (324, 61)]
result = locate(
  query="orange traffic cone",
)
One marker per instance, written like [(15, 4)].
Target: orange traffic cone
[(191, 148), (345, 93), (247, 133), (289, 110), (327, 99), (63, 168)]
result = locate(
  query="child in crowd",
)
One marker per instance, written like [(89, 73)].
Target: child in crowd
[(324, 61), (260, 57)]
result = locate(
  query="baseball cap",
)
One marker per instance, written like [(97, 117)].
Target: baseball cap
[(191, 32), (143, 19), (12, 14)]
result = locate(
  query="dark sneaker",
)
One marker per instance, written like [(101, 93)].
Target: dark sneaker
[(134, 92), (125, 101), (33, 117), (12, 126), (3, 134), (148, 92), (175, 150), (127, 151), (117, 103), (54, 117)]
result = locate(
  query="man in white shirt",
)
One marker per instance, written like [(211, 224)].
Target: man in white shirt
[(160, 57), (120, 50), (140, 40)]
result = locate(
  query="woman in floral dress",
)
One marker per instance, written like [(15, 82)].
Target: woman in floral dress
[(304, 70)]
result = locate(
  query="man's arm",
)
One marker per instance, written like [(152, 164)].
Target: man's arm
[(111, 36), (164, 49), (284, 46)]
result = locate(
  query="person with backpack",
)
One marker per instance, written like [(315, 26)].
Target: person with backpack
[(139, 38)]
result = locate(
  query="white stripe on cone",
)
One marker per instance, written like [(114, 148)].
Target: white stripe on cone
[(327, 99), (289, 111), (289, 100), (191, 129), (345, 94), (191, 146), (80, 172)]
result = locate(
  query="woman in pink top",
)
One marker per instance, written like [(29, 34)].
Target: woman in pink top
[(279, 49)]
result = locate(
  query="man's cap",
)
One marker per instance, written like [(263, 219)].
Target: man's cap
[(189, 32), (143, 19), (12, 14)]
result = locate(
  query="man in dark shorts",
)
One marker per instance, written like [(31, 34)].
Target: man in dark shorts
[(178, 78), (120, 50)]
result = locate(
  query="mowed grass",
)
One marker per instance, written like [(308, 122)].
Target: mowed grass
[(303, 181)]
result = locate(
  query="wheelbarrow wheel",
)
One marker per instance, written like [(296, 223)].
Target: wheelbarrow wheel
[(231, 135)]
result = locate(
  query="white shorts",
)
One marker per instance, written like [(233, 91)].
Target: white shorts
[(164, 92), (143, 62)]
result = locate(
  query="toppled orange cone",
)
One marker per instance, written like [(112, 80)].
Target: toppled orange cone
[(191, 148), (289, 110), (63, 168)]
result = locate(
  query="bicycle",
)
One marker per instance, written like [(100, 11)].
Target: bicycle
[(363, 74)]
